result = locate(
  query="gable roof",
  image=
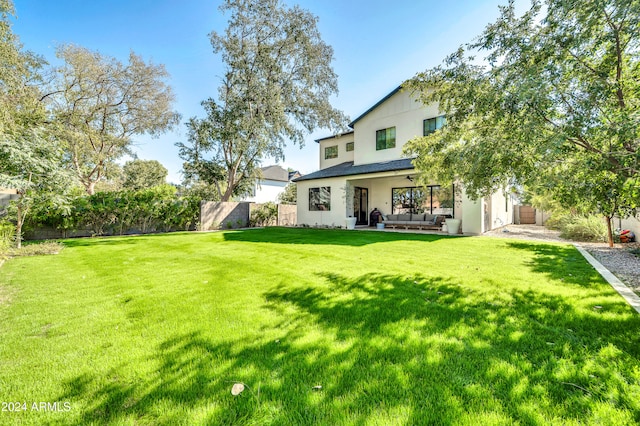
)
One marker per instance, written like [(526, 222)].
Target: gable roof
[(348, 169), (275, 172), (339, 135), (393, 92)]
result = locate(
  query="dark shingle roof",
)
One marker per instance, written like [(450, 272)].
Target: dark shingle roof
[(348, 169)]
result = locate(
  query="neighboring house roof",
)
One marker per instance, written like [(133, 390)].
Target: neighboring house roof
[(348, 169), (393, 92), (275, 172), (294, 175)]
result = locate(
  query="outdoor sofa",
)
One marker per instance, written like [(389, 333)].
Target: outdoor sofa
[(420, 221)]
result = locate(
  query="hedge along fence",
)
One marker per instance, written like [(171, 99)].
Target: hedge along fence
[(157, 209)]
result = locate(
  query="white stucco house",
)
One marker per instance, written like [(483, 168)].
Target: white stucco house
[(363, 169), (272, 183)]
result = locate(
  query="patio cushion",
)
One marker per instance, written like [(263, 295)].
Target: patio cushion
[(431, 218), (392, 217), (405, 217)]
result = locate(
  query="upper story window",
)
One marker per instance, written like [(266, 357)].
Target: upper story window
[(349, 146), (433, 124), (386, 138), (331, 152)]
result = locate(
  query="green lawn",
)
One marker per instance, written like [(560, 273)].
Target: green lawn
[(395, 328)]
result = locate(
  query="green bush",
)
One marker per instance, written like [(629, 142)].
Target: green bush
[(7, 235), (558, 220), (264, 215), (584, 228), (119, 212)]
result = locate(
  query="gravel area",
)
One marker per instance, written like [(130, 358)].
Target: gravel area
[(618, 259)]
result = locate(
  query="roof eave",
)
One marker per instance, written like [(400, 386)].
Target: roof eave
[(393, 92), (348, 169), (339, 135)]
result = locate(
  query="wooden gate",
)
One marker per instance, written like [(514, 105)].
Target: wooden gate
[(527, 215)]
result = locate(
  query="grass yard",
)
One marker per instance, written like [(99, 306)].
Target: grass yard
[(322, 326)]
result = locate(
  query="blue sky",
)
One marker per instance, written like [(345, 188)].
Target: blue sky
[(377, 45)]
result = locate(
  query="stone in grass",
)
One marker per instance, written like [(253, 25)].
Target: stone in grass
[(237, 389)]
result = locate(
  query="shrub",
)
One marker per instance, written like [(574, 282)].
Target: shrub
[(584, 228), (7, 234), (264, 215), (119, 212), (558, 220)]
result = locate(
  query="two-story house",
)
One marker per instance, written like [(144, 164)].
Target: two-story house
[(364, 169)]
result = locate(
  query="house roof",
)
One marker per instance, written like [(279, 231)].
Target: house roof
[(349, 169), (350, 132), (393, 92), (294, 174), (275, 172), (377, 104)]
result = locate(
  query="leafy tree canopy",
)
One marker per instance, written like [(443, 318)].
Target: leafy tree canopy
[(19, 78), (289, 195), (554, 105), (143, 174), (31, 163), (101, 103), (30, 160), (275, 89)]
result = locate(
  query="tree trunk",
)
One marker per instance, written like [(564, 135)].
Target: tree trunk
[(91, 188), (230, 187), (609, 231), (19, 221), (227, 195)]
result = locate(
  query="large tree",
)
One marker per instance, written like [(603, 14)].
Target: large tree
[(31, 163), (20, 78), (100, 104), (143, 174), (276, 88), (30, 160), (555, 104)]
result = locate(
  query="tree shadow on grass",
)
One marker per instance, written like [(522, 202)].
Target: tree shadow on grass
[(279, 235), (560, 262), (388, 349)]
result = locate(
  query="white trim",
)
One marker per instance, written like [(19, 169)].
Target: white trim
[(624, 291)]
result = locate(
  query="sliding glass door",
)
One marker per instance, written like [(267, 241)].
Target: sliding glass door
[(361, 205)]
